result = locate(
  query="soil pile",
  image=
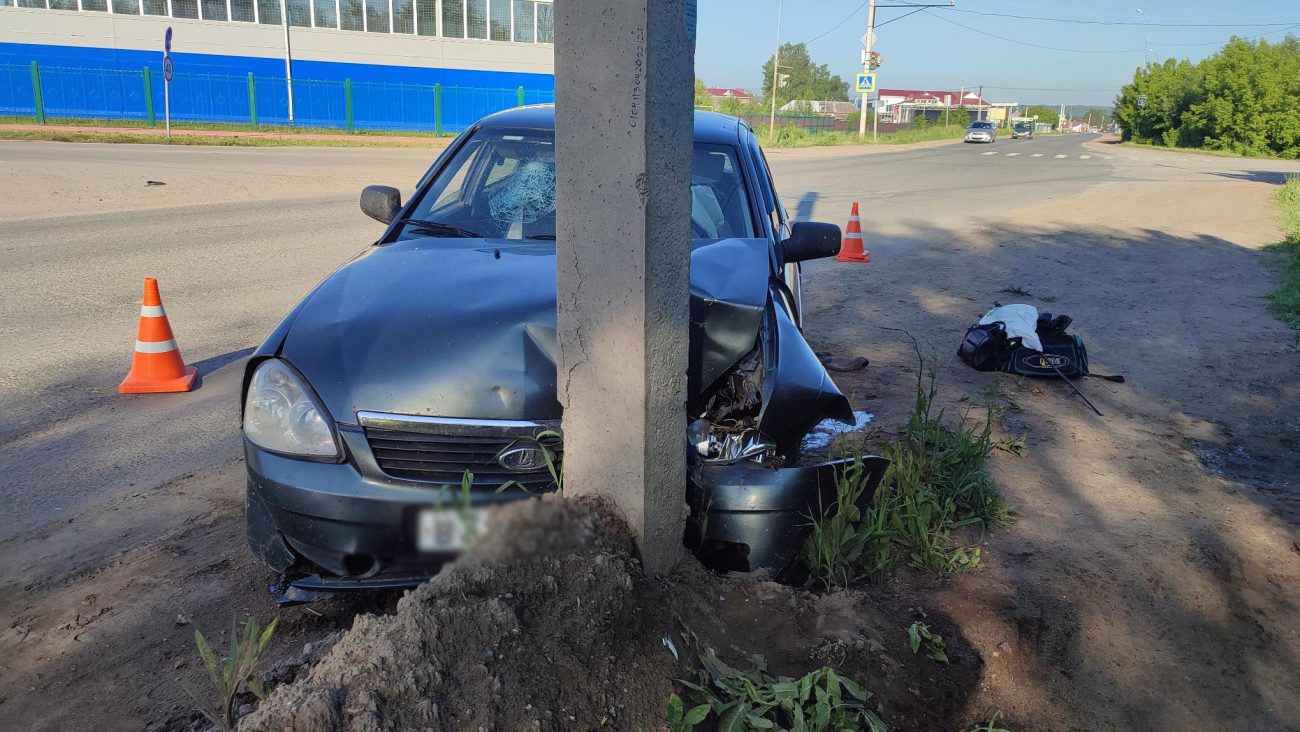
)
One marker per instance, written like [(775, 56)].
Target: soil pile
[(552, 625), (538, 631)]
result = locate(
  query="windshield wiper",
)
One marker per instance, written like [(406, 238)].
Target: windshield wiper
[(439, 228), (541, 237)]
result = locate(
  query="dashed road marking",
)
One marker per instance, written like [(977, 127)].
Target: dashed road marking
[(1036, 155), (1085, 157), (990, 152), (1012, 155), (1062, 157)]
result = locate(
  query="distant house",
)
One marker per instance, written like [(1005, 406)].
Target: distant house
[(903, 106), (719, 94), (1077, 125), (838, 110)]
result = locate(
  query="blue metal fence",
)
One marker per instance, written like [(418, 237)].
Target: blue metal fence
[(52, 91)]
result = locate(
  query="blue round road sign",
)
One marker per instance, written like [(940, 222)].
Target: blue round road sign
[(167, 40), (167, 68)]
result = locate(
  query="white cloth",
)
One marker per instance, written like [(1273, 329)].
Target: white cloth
[(1021, 322)]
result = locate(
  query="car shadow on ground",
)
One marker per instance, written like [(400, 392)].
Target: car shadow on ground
[(1131, 561)]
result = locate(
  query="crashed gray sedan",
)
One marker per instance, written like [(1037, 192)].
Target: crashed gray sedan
[(415, 387)]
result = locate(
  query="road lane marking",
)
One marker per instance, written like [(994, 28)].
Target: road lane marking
[(1012, 155), (990, 152), (1037, 155), (1085, 157), (1062, 157)]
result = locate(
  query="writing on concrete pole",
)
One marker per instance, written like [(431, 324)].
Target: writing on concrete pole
[(623, 141)]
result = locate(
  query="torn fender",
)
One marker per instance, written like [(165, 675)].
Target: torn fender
[(747, 518)]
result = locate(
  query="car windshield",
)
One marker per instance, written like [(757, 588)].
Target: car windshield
[(981, 125), (1022, 126), (501, 185)]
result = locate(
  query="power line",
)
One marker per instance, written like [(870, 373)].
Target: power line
[(836, 27), (1093, 50), (1045, 88), (1123, 22), (1031, 45)]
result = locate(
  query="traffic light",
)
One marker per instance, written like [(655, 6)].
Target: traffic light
[(871, 60)]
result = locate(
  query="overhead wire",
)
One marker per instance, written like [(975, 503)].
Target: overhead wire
[(1152, 24)]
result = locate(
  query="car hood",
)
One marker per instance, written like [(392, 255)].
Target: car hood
[(466, 327)]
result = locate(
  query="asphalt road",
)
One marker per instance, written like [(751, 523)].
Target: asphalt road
[(237, 236), (1169, 518)]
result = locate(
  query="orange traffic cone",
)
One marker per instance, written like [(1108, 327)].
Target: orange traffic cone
[(157, 366), (851, 245)]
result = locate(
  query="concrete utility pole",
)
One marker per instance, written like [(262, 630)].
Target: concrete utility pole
[(288, 57), (869, 41), (623, 131), (776, 72)]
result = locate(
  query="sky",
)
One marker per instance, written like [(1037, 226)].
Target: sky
[(931, 50)]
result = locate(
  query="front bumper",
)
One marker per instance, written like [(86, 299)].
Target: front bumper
[(331, 527), (979, 138), (345, 525), (747, 518)]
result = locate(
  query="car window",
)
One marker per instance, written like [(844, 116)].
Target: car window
[(502, 185)]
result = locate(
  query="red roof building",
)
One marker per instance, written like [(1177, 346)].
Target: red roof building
[(903, 105)]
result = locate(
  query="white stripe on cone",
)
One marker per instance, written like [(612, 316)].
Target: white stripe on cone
[(155, 346), (151, 311), (852, 235)]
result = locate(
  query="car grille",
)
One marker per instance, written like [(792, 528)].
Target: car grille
[(434, 450)]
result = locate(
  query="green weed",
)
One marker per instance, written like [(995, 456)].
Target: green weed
[(835, 551), (821, 700), (989, 725), (937, 481), (1284, 257), (919, 634), (233, 672), (1017, 290)]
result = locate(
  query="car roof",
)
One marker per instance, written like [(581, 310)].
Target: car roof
[(709, 126)]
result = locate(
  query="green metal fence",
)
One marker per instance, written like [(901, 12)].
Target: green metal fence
[(43, 92)]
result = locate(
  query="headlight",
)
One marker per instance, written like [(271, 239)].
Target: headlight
[(281, 415)]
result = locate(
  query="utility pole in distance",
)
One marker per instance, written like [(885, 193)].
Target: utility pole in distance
[(776, 74), (868, 41)]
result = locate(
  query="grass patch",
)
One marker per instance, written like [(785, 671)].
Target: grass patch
[(1198, 150), (140, 124), (1018, 290), (937, 481), (791, 136), (252, 140), (822, 700), (1284, 257)]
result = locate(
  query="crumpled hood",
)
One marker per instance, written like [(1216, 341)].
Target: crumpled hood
[(438, 327), (465, 328)]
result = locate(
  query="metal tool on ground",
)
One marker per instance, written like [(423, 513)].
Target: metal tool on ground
[(157, 365), (851, 245)]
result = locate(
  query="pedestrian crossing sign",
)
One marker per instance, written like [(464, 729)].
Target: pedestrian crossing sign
[(866, 83)]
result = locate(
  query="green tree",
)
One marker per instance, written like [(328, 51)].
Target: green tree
[(1244, 99), (958, 116), (703, 99), (1044, 113), (730, 105), (807, 80)]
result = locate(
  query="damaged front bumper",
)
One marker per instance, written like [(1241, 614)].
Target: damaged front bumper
[(745, 518)]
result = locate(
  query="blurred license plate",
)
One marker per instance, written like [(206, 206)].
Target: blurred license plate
[(447, 529)]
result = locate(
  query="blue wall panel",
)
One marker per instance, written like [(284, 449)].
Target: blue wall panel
[(105, 82)]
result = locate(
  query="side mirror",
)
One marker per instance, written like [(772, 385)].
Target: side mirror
[(811, 240), (381, 203)]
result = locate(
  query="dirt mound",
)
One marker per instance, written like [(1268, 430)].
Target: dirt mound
[(555, 627), (537, 632)]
